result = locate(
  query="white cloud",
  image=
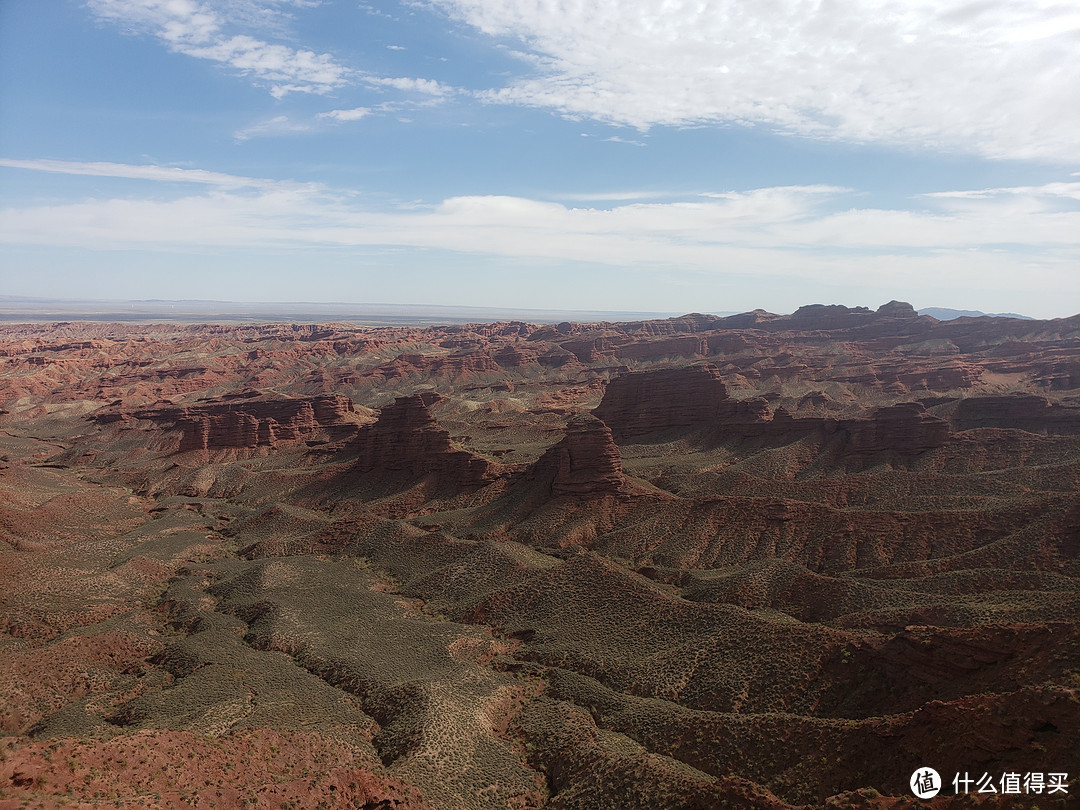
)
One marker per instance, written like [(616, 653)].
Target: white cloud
[(995, 78), (139, 172), (427, 86), (355, 114), (201, 30), (278, 125), (617, 139), (1001, 240), (609, 196), (1065, 190)]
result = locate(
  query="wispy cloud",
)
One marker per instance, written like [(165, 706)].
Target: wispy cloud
[(208, 31), (139, 172), (1069, 191), (630, 142), (278, 125), (805, 232), (611, 196), (355, 114), (994, 78), (428, 87)]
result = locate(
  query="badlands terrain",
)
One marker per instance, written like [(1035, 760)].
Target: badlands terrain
[(757, 561)]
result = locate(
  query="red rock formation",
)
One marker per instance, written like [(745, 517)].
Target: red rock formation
[(591, 350), (948, 377), (558, 357), (896, 309), (903, 428), (641, 403), (516, 355), (585, 462), (248, 421), (454, 364), (1028, 412), (692, 346), (407, 439), (827, 316), (683, 324)]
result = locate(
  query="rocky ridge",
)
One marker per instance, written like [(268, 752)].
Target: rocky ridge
[(249, 421)]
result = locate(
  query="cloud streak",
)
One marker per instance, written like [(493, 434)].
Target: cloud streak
[(995, 78), (201, 30), (989, 238), (139, 172), (354, 114)]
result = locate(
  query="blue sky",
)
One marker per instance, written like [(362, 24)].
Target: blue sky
[(660, 155)]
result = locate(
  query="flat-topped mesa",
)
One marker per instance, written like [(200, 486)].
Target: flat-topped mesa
[(406, 439), (249, 421), (895, 317), (640, 403), (693, 397), (828, 316), (266, 422), (903, 428), (897, 309), (1029, 412), (683, 324), (585, 462)]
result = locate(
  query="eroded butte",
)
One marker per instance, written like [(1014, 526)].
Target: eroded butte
[(757, 561)]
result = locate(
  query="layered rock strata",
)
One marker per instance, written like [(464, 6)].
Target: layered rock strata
[(904, 428), (1028, 412), (250, 421), (406, 439), (585, 462), (641, 403)]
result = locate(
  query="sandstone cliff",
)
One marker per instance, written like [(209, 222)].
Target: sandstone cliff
[(694, 397), (903, 428), (585, 462), (250, 421), (1028, 412), (407, 439)]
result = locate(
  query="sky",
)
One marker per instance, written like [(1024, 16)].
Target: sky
[(638, 155)]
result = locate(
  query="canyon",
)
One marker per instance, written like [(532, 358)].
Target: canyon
[(759, 560)]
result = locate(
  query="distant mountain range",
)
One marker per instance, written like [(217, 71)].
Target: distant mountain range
[(50, 309), (945, 314)]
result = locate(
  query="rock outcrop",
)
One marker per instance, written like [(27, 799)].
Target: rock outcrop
[(585, 462), (406, 365), (895, 317), (1028, 412), (692, 346), (902, 428), (249, 421), (407, 440), (516, 355), (828, 316), (897, 309), (694, 397)]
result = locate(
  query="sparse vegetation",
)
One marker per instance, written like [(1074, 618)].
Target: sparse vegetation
[(757, 618)]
